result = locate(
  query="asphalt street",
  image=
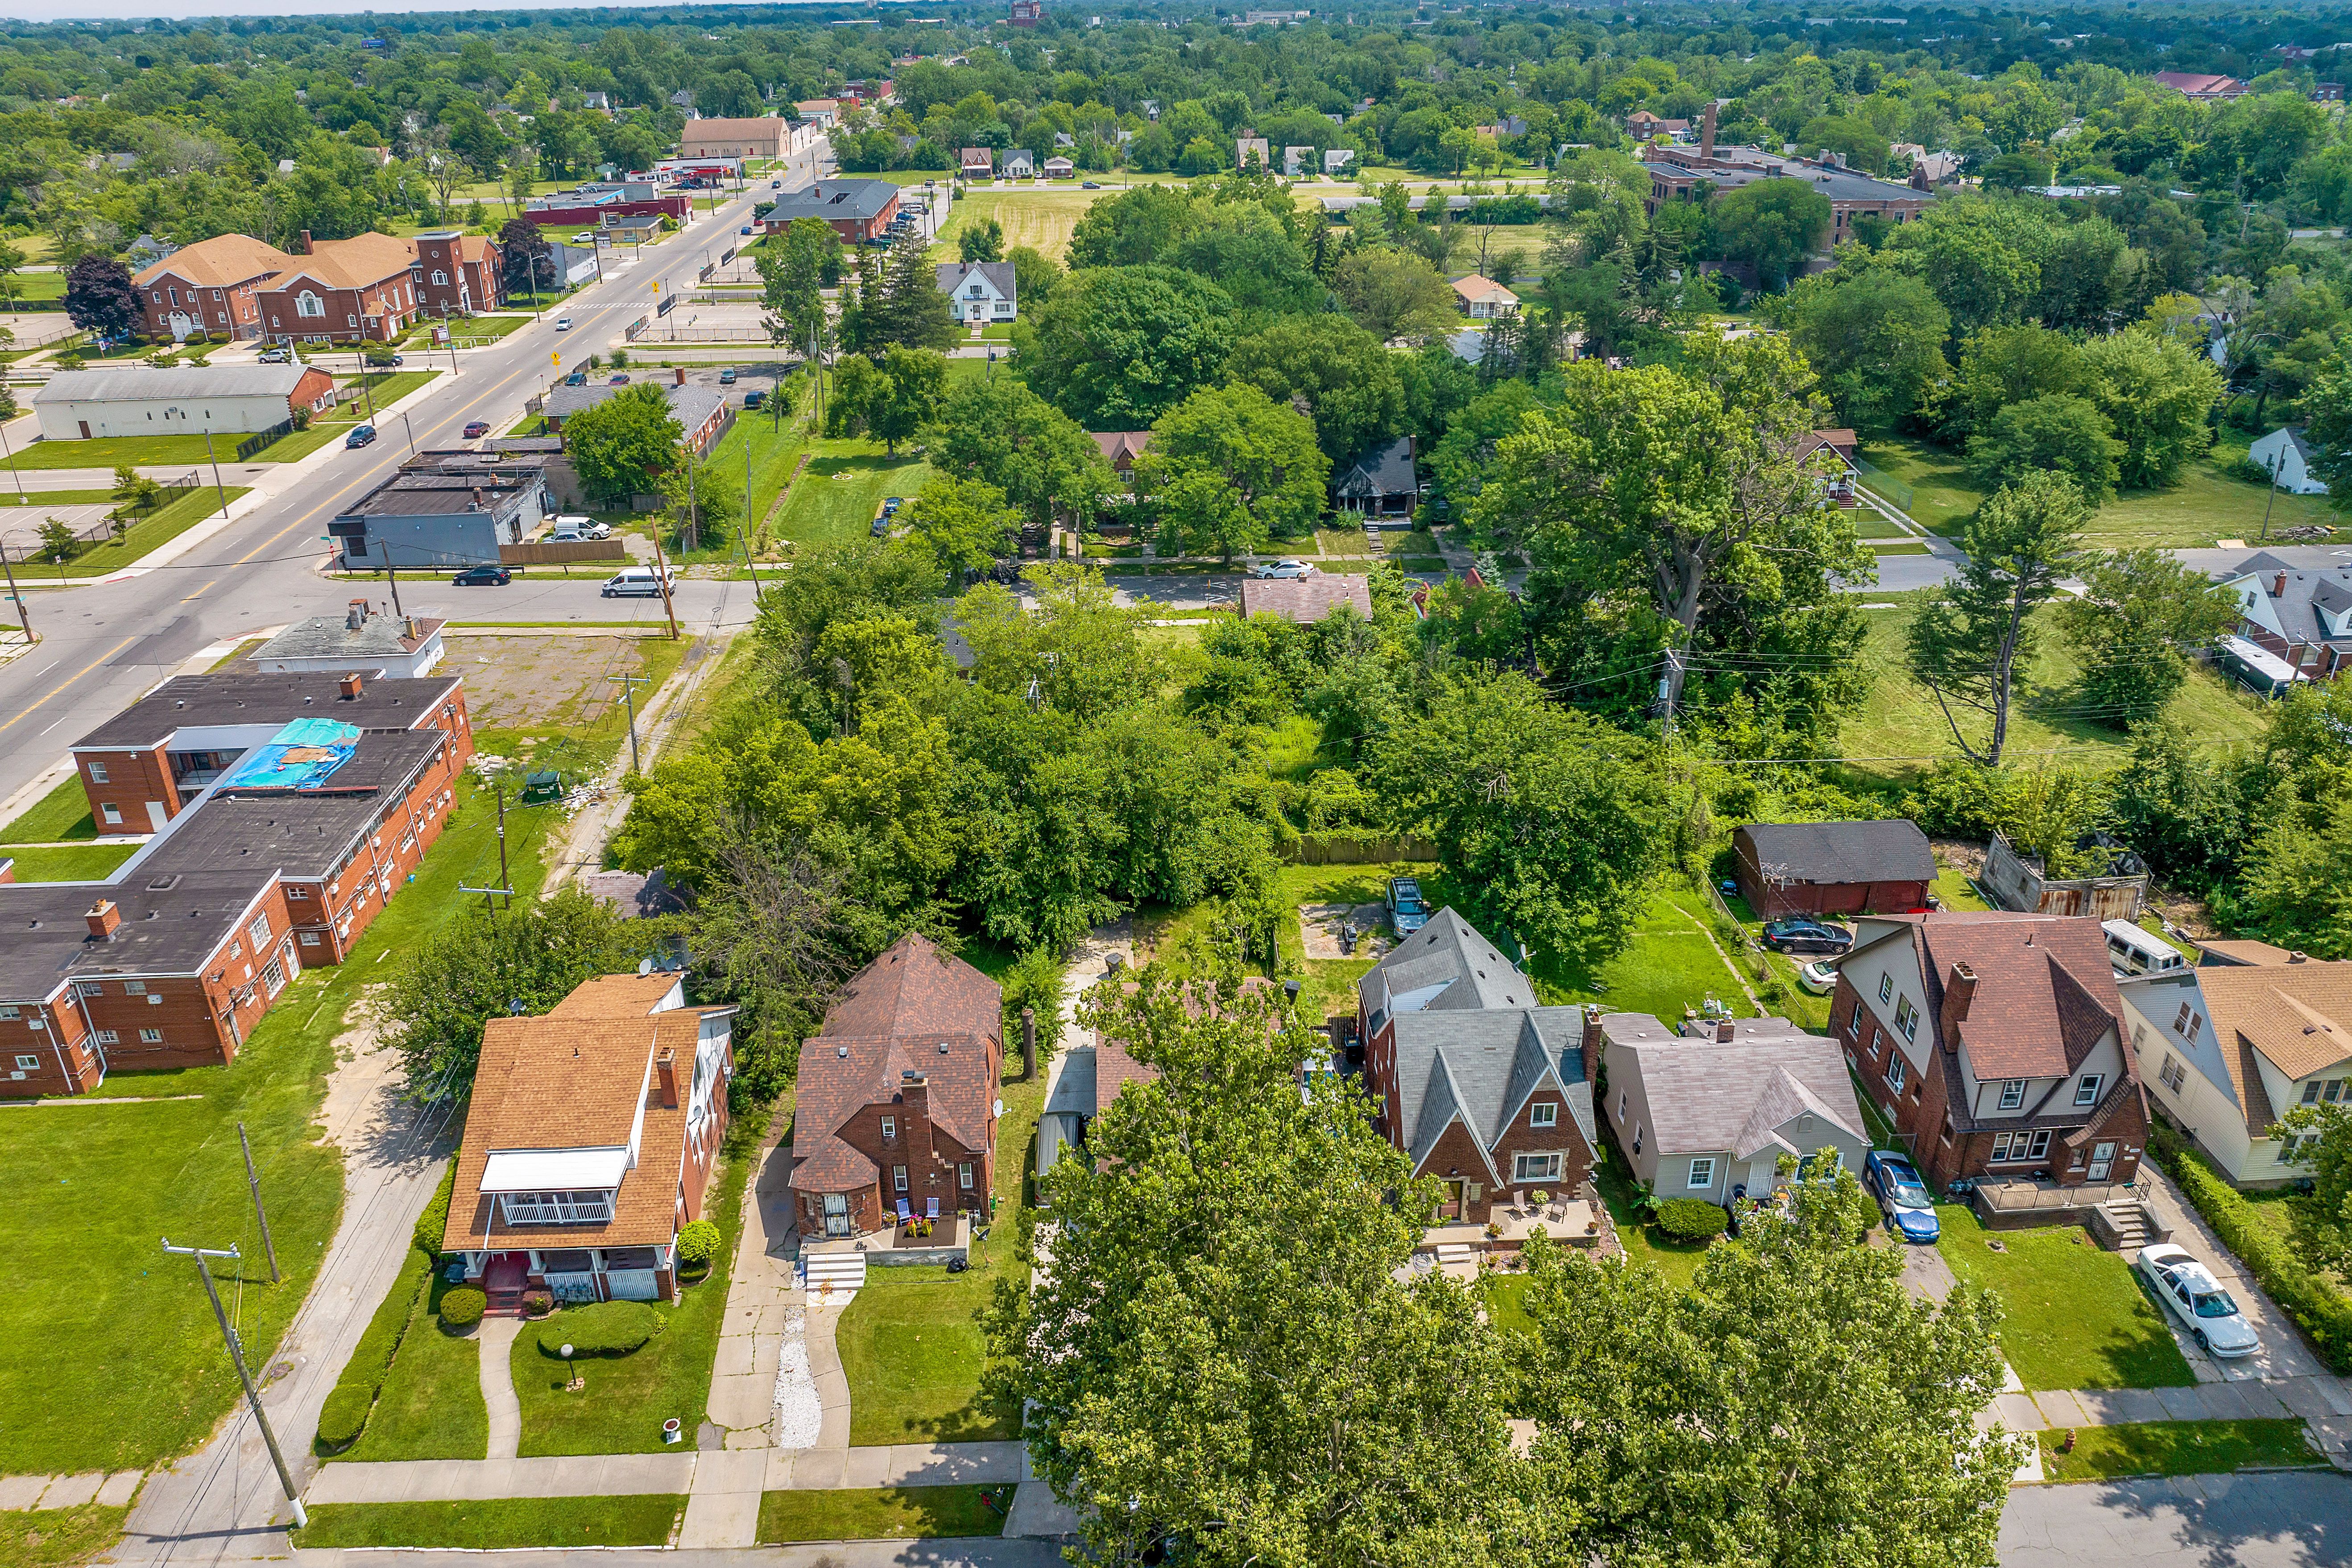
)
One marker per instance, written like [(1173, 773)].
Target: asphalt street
[(2297, 1518), (104, 644)]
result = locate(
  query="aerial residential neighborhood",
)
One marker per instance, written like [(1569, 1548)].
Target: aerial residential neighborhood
[(1513, 786)]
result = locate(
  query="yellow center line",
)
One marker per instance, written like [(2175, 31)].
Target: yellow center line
[(69, 679), (198, 594)]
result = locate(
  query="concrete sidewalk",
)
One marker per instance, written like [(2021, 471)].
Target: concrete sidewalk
[(720, 1471), (2306, 1398), (959, 1553), (20, 1493)]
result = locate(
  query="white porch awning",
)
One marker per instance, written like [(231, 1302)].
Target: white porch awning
[(554, 1170)]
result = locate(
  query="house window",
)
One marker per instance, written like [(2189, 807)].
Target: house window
[(27, 1064), (308, 304), (439, 276), (1637, 1138), (1906, 1018), (1948, 1128), (98, 774), (259, 931), (9, 1011), (2020, 1145), (1543, 1113), (1621, 1107), (1854, 1023), (889, 1127), (1894, 1069), (113, 814), (2013, 1093), (963, 1175), (1542, 1167), (107, 1037), (2310, 1091), (898, 1178), (2180, 1022), (273, 977), (2174, 1075), (151, 1037), (309, 939), (1886, 986), (1702, 1174), (2086, 1092)]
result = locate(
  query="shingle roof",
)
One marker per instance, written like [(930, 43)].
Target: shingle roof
[(617, 996), (220, 262), (354, 263), (1476, 286), (2296, 1015), (1706, 1095), (1837, 853), (1383, 470), (999, 274), (2235, 952), (2045, 992), (147, 383), (1447, 965), (1306, 599), (2308, 590)]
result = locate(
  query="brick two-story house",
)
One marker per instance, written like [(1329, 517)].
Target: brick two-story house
[(1994, 1042), (212, 286), (360, 290), (898, 1098), (457, 274)]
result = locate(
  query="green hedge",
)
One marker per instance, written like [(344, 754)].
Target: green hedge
[(463, 1307), (1691, 1219), (434, 1221), (602, 1328), (344, 1415), (697, 1244), (2324, 1313)]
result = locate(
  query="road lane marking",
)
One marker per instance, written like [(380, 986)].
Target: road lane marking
[(68, 680)]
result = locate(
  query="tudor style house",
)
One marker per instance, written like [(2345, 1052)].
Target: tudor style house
[(589, 1143), (1995, 1044), (896, 1105), (1486, 1089)]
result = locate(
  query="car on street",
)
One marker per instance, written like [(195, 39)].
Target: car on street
[(586, 236), (637, 583), (745, 229), (1795, 935), (1407, 911), (489, 576), (726, 376), (775, 185), (620, 380), (476, 429), (577, 378), (1902, 1196), (562, 323), (360, 437), (275, 357), (1280, 569), (2190, 1293), (1820, 976)]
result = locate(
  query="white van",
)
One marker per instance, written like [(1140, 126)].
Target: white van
[(569, 527), (636, 582), (2132, 950)]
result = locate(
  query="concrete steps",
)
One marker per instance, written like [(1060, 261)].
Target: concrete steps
[(833, 1277), (1456, 1252), (2129, 1227)]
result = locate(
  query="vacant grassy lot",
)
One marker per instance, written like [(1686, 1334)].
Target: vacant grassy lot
[(1041, 218), (2174, 1448), (61, 815), (1672, 964), (151, 532), (2076, 1316), (503, 1525), (76, 863), (887, 1514), (484, 327), (842, 489)]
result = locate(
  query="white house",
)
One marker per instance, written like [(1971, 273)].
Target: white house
[(2285, 455), (2230, 1046), (1248, 147), (1337, 159), (1483, 299), (979, 292), (1019, 164), (228, 400), (1297, 160), (355, 642)]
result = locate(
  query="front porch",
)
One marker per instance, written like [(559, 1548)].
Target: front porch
[(896, 1243), (2015, 1202), (572, 1275), (1570, 1222)]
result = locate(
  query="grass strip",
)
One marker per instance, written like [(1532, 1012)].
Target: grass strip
[(2174, 1448), (881, 1514), (76, 863), (61, 815), (500, 1524), (58, 1537)]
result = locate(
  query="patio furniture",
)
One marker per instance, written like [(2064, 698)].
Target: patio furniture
[(905, 1214), (930, 1208)]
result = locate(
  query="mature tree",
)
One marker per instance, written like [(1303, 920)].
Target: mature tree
[(967, 522), (1232, 467), (2157, 395), (2327, 408), (889, 400), (525, 256), (1223, 1362), (477, 966), (704, 504), (2298, 878), (12, 262), (1116, 347), (1034, 274), (1875, 341), (2183, 808), (624, 445), (1249, 253), (982, 240), (1864, 144), (1797, 1406), (900, 303), (1347, 381), (998, 430), (2317, 1138), (1549, 822), (1396, 295), (794, 269), (99, 298), (1771, 226), (1973, 633), (1133, 228), (2139, 616), (2056, 434), (2002, 366), (1467, 453)]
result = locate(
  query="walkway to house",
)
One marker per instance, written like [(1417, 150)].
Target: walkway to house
[(21, 1493), (496, 1337)]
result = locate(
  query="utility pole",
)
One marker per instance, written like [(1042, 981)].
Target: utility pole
[(629, 684), (2272, 499), (253, 1181), (24, 615), (218, 488), (237, 1354), (661, 569), (391, 575), (505, 880)]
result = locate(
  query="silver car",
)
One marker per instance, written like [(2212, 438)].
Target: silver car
[(2197, 1299)]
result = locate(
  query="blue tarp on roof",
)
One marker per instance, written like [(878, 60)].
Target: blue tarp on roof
[(302, 755)]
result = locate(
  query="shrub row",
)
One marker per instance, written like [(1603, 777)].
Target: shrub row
[(601, 1327), (1691, 1219), (345, 1413), (2324, 1313)]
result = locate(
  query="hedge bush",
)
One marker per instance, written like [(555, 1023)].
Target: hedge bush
[(697, 1244), (601, 1327), (434, 1221), (1691, 1219), (344, 1415), (2324, 1313), (462, 1306)]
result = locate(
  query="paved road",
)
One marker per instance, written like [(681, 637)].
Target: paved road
[(106, 643), (949, 1553), (2284, 1521)]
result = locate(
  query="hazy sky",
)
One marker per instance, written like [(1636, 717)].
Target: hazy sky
[(86, 10)]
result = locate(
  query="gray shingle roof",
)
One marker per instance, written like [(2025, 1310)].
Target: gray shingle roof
[(691, 404), (1842, 852), (1708, 1095), (834, 200), (951, 275), (146, 382), (2309, 589), (1446, 965), (1384, 471)]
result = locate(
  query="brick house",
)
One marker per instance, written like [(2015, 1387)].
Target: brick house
[(212, 286), (457, 274), (1486, 1089), (898, 1098), (856, 210), (1994, 1042), (589, 1143), (2301, 616), (360, 289)]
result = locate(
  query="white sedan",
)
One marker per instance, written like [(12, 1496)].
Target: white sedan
[(1820, 976), (1281, 569), (562, 323), (2197, 1299)]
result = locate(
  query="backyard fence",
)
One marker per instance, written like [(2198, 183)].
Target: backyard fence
[(1887, 487), (1351, 850), (252, 444)]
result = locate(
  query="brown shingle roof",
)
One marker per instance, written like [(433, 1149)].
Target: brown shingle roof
[(354, 263), (2297, 1016), (220, 262), (1306, 599), (2044, 995), (615, 996), (2233, 951), (1114, 1071)]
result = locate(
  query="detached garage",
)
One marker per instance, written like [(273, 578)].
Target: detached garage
[(230, 399), (1832, 868)]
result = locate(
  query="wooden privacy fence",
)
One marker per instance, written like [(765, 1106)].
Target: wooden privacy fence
[(561, 552), (1335, 850)]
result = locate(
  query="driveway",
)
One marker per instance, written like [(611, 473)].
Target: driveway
[(2286, 1520), (2284, 1354)]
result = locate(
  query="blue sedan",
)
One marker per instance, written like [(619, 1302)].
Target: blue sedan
[(1895, 1182)]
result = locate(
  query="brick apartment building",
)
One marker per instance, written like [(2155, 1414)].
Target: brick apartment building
[(360, 289), (370, 287), (211, 287), (317, 803), (457, 274), (856, 210)]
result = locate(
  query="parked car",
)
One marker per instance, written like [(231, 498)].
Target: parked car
[(1819, 977), (1796, 935), (1902, 1196), (881, 525), (635, 582), (275, 357), (586, 236), (476, 429), (2189, 1288), (360, 437), (562, 323), (570, 528), (745, 229), (1280, 569), (577, 378), (1407, 911), (890, 505), (483, 576), (620, 380), (1089, 185), (726, 376), (753, 398)]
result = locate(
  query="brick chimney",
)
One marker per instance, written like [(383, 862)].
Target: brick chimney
[(1707, 133), (1028, 1043), (680, 372), (1723, 1031), (104, 919), (304, 247), (2278, 586), (355, 615), (1959, 991), (351, 686), (665, 1071), (1592, 1042)]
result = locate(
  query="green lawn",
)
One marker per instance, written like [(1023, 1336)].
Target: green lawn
[(106, 451), (430, 1407), (1953, 891), (503, 1525), (1671, 963), (887, 1514), (842, 489), (2206, 507), (383, 388), (490, 327), (1677, 1260), (627, 1398), (2076, 1316), (79, 863), (151, 532), (61, 815), (775, 445), (2174, 1448), (58, 1537)]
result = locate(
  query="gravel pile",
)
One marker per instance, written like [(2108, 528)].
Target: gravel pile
[(799, 1413)]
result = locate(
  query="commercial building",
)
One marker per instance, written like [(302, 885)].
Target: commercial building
[(187, 400), (702, 412), (1683, 173), (357, 641), (856, 210), (443, 510), (763, 137), (209, 288)]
